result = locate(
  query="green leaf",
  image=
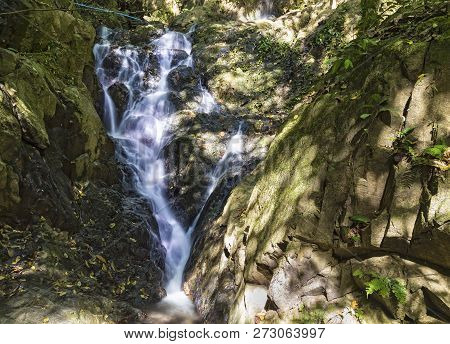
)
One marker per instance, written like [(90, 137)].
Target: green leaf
[(336, 66), (399, 291), (360, 219), (365, 115), (348, 64), (358, 273), (436, 151), (406, 132), (379, 285)]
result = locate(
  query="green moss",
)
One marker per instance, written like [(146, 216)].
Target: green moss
[(330, 34), (306, 316)]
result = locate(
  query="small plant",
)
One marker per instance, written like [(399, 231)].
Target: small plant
[(306, 316), (437, 156), (384, 286), (437, 151), (352, 234), (360, 220), (355, 238), (356, 310), (270, 48), (404, 145)]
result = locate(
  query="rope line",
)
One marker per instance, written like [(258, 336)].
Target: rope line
[(105, 10), (81, 6)]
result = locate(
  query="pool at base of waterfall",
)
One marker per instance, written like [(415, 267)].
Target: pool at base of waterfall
[(175, 308)]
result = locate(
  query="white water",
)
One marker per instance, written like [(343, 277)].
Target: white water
[(143, 132), (231, 159), (264, 11), (208, 103)]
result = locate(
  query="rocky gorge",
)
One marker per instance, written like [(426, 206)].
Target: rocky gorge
[(305, 157)]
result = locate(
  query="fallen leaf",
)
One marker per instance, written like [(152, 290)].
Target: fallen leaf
[(100, 258)]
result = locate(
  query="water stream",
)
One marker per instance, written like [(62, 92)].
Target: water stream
[(143, 131), (264, 11)]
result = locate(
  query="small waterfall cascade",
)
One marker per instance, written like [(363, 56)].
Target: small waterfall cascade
[(142, 132), (230, 163), (208, 103), (265, 10), (232, 159)]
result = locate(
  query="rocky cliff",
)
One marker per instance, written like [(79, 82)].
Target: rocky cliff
[(74, 241), (346, 219)]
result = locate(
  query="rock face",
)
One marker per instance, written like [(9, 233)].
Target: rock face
[(347, 197), (249, 68), (72, 236)]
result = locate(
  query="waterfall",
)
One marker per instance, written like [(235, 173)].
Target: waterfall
[(265, 10), (208, 103), (231, 162), (231, 158), (142, 132)]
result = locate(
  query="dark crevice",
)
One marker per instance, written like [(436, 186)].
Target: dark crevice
[(270, 305), (436, 308)]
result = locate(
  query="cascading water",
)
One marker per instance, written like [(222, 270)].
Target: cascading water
[(265, 10), (231, 158), (207, 104), (142, 132)]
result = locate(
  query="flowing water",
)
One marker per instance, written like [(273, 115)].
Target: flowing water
[(265, 10), (143, 131)]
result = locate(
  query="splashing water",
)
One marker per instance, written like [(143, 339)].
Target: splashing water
[(231, 161), (264, 11), (231, 158), (142, 132), (208, 103)]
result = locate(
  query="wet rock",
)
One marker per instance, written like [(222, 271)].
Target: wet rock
[(120, 95), (178, 57), (182, 77), (188, 177), (111, 65)]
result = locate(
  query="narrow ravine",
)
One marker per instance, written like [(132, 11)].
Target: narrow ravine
[(142, 132)]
